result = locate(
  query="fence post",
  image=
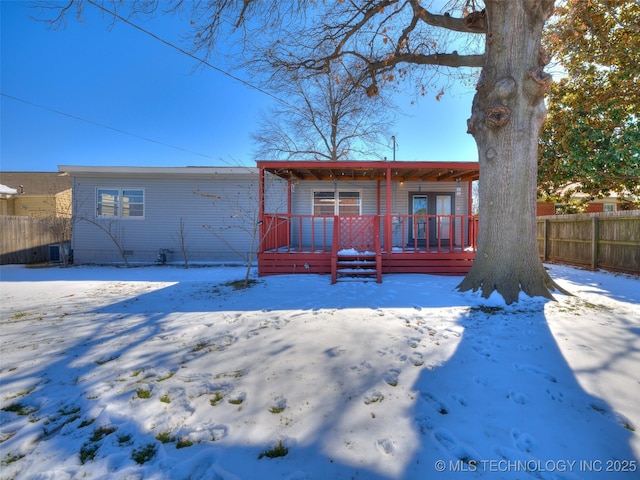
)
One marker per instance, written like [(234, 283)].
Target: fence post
[(545, 229), (594, 243)]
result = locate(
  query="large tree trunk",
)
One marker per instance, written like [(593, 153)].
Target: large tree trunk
[(507, 115)]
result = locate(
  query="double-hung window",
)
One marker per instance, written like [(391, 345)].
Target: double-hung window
[(120, 202), (336, 203)]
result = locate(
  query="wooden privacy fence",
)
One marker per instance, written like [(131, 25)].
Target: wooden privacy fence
[(27, 239), (595, 240)]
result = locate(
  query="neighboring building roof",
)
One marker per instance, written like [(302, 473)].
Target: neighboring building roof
[(36, 183), (4, 190)]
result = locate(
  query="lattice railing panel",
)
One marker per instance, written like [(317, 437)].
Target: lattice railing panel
[(356, 233)]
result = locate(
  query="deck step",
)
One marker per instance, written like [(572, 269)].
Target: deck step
[(354, 266)]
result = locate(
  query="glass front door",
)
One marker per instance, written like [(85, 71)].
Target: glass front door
[(430, 219), (419, 223), (443, 207)]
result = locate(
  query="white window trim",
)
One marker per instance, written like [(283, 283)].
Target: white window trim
[(336, 204), (120, 216)]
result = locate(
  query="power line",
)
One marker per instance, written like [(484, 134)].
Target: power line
[(190, 55), (75, 117)]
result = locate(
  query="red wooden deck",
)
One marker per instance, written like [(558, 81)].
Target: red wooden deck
[(366, 245), (296, 244), (272, 263)]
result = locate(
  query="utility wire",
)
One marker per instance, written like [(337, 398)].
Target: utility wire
[(201, 60), (75, 117), (171, 45), (190, 55)]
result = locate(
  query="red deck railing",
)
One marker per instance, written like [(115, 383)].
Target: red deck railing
[(434, 233), (274, 232), (408, 233)]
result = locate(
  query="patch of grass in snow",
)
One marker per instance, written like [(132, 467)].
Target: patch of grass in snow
[(4, 436), (392, 382), (234, 374), (184, 442), (124, 438), (487, 310), (279, 450), (165, 437), (279, 406), (236, 401), (65, 416), (143, 393), (20, 409), (199, 346), (9, 459), (135, 373), (144, 453), (628, 426), (88, 452), (216, 399), (23, 393), (86, 423), (240, 284), (165, 398), (373, 398), (166, 377), (18, 316), (69, 411), (594, 306), (102, 361), (101, 432), (469, 461)]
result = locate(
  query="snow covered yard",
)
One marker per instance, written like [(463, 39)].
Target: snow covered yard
[(166, 373)]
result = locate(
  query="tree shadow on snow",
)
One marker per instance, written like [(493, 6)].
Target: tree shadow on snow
[(507, 405)]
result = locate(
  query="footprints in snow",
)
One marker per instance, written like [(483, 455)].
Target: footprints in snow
[(522, 441), (536, 371), (457, 449)]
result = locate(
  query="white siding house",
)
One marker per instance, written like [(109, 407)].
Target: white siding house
[(143, 208), (219, 213)]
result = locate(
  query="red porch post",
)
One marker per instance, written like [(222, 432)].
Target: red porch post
[(289, 186), (262, 230), (471, 223), (387, 215)]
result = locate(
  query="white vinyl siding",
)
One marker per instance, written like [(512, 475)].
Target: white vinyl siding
[(213, 207)]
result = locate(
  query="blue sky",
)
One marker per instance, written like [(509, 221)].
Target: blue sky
[(156, 99)]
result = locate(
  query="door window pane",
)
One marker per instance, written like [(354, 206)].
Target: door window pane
[(443, 207), (419, 221)]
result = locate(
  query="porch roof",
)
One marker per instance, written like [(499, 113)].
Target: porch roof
[(373, 170)]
